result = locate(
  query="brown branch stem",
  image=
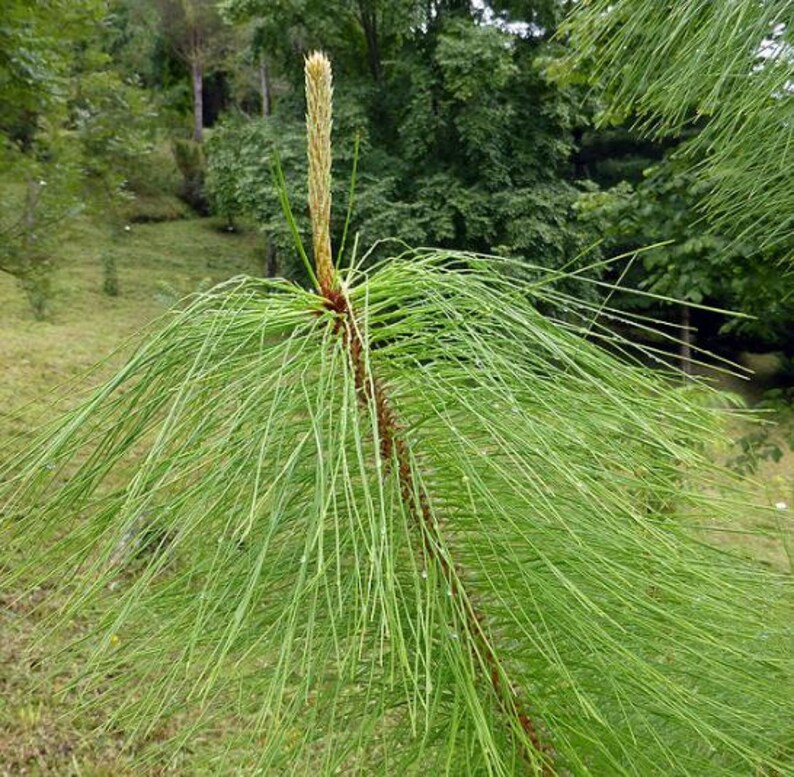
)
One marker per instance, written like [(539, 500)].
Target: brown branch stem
[(393, 447)]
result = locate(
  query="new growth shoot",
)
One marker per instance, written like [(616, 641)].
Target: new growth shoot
[(318, 130)]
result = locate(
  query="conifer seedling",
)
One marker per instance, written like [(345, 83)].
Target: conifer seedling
[(400, 523)]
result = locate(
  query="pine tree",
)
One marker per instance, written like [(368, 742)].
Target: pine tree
[(725, 66), (401, 522)]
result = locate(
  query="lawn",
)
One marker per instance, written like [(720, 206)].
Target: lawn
[(45, 366), (158, 263)]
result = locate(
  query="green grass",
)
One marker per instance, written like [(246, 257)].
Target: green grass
[(156, 262), (42, 366), (771, 539)]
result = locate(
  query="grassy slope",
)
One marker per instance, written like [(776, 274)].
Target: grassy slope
[(154, 260), (40, 359), (45, 363)]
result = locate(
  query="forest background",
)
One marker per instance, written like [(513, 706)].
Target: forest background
[(473, 133)]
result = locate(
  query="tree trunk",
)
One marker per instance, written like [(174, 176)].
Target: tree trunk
[(369, 24), (198, 98), (264, 87), (685, 349), (32, 195), (33, 271), (271, 260)]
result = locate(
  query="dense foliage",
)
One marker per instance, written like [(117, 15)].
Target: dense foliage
[(725, 66), (463, 142), (485, 563), (480, 126)]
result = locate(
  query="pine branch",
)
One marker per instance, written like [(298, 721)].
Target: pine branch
[(230, 531), (393, 450), (727, 69)]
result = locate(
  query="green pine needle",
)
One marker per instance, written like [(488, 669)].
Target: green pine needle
[(726, 68), (248, 587)]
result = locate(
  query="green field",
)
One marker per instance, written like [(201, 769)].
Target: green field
[(45, 366), (158, 264)]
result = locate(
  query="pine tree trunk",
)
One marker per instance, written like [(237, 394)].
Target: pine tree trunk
[(198, 99)]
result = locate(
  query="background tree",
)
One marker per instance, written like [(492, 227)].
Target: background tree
[(115, 127), (195, 32), (44, 197), (38, 44), (76, 130)]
